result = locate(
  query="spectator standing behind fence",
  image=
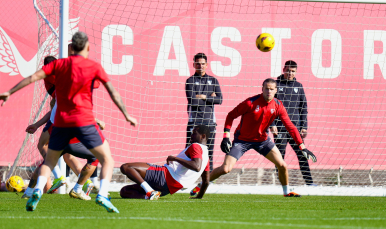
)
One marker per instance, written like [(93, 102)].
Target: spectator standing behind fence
[(203, 92), (292, 94)]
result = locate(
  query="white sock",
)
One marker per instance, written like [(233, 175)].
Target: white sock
[(146, 187), (94, 180), (78, 188), (40, 183), (56, 171), (104, 188), (285, 189), (29, 191)]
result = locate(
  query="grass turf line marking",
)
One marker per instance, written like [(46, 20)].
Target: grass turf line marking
[(190, 220)]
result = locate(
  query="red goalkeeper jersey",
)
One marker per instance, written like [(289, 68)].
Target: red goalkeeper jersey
[(256, 116)]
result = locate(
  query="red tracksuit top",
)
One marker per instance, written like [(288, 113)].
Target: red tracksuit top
[(256, 116)]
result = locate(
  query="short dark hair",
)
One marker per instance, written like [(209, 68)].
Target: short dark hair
[(201, 129), (199, 56), (48, 59), (290, 64), (269, 80), (79, 41)]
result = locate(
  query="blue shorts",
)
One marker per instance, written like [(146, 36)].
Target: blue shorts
[(90, 136), (155, 177), (47, 126), (239, 147)]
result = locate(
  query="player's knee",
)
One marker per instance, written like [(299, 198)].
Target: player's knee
[(125, 168), (226, 169), (282, 166)]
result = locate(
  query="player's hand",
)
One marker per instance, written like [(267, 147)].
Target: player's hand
[(101, 124), (169, 159), (31, 129), (309, 155), (132, 121), (203, 97), (274, 130), (5, 96), (303, 133), (226, 145), (213, 94)]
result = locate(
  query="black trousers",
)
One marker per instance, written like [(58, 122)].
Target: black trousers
[(210, 143), (281, 141)]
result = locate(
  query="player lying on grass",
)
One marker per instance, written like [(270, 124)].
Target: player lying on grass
[(74, 81), (84, 186), (257, 113), (179, 172)]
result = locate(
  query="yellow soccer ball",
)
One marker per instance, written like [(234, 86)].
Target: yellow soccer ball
[(265, 42), (14, 184)]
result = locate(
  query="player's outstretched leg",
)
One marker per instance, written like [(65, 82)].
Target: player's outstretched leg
[(83, 181), (275, 157), (52, 158), (103, 154), (137, 173)]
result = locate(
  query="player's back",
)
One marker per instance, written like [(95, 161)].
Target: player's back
[(75, 79)]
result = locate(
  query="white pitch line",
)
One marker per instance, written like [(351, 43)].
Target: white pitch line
[(189, 220)]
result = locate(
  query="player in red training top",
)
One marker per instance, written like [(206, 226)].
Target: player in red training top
[(257, 113), (75, 77), (179, 172), (42, 146)]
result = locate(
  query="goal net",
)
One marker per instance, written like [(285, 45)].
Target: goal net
[(147, 48)]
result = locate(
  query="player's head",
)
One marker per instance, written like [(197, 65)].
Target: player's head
[(200, 134), (80, 43), (269, 89), (200, 63), (290, 69), (48, 59)]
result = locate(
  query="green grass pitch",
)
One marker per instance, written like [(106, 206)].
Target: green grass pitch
[(214, 211)]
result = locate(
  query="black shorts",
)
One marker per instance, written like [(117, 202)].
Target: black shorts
[(79, 150), (239, 147), (90, 136), (155, 177)]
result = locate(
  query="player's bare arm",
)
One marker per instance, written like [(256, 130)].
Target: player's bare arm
[(23, 83), (31, 129), (116, 97), (205, 176), (194, 164)]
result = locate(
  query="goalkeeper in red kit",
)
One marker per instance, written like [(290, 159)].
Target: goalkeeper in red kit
[(257, 113)]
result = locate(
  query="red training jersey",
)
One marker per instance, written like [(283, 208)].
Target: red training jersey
[(256, 116), (75, 79), (187, 176)]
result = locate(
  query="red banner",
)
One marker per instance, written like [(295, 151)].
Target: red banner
[(147, 49)]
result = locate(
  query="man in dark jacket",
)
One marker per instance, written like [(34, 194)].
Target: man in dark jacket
[(203, 92), (292, 94)]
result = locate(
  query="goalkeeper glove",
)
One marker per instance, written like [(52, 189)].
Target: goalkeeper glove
[(226, 145), (309, 155)]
